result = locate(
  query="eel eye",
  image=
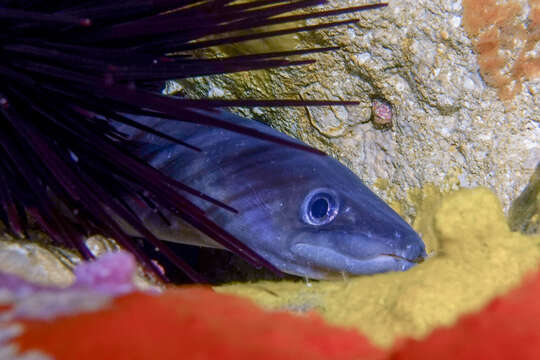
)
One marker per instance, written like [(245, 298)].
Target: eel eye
[(320, 207)]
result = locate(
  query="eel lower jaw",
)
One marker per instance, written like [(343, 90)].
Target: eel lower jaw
[(417, 260), (332, 261)]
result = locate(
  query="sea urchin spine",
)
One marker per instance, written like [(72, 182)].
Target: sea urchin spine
[(68, 68)]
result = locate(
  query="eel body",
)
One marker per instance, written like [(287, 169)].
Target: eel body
[(305, 213)]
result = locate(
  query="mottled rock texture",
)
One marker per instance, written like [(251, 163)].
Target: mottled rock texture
[(453, 125), (37, 261)]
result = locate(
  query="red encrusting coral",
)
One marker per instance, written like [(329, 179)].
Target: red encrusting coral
[(192, 323), (504, 43)]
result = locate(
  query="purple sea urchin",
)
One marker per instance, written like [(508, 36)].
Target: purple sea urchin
[(68, 68)]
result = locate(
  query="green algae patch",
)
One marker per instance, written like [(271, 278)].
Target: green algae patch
[(524, 214), (473, 257)]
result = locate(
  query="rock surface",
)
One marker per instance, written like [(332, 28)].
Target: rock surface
[(450, 127), (41, 263)]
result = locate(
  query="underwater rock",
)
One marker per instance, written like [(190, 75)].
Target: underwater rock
[(39, 262), (473, 257), (450, 126), (35, 261)]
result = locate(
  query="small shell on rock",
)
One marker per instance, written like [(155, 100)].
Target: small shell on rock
[(382, 114)]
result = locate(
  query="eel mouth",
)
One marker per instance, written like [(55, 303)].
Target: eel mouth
[(333, 261), (418, 260)]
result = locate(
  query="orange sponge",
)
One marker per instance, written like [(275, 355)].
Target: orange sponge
[(191, 323), (508, 328), (197, 323)]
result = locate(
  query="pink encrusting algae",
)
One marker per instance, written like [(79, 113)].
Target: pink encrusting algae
[(506, 38)]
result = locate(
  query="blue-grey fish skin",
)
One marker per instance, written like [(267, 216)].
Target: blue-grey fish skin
[(305, 213)]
